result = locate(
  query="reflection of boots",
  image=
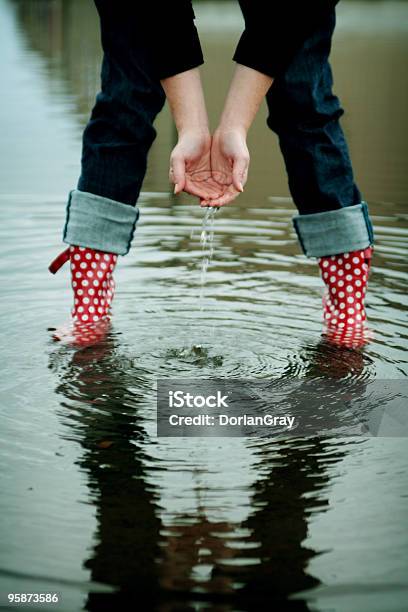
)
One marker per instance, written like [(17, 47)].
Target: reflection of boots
[(345, 277), (93, 286)]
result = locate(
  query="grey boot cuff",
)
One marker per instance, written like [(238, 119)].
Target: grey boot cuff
[(99, 223), (335, 231)]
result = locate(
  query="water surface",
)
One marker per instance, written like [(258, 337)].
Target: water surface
[(94, 506)]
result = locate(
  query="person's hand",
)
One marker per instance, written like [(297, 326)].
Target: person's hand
[(190, 168), (229, 165)]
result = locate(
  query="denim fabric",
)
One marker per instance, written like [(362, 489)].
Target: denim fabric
[(120, 132), (276, 30), (99, 223), (334, 231), (303, 112)]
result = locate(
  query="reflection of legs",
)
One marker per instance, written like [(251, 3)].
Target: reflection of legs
[(332, 220), (102, 212)]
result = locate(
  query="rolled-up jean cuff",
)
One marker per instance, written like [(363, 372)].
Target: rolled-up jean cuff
[(99, 223), (334, 231)]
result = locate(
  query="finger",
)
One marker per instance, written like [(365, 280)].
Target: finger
[(240, 173), (228, 197), (177, 173), (206, 202)]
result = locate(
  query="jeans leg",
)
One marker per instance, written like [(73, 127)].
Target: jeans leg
[(102, 211), (304, 113)]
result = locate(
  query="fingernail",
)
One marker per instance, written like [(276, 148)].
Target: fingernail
[(240, 187), (175, 187)]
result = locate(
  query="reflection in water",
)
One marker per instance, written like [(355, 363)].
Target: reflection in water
[(193, 523), (179, 556), (103, 404), (326, 360), (65, 33)]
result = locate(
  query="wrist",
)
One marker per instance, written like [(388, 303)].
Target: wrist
[(201, 132), (226, 128)]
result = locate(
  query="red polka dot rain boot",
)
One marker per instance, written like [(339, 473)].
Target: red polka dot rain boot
[(94, 287), (345, 277)]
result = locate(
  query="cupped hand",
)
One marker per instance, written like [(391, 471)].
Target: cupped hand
[(229, 165), (190, 167)]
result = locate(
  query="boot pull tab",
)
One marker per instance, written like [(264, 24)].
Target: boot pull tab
[(59, 261)]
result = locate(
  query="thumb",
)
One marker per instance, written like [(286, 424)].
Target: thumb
[(240, 173), (178, 173)]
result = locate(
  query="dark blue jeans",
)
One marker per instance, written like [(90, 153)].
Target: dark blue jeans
[(120, 132), (303, 111)]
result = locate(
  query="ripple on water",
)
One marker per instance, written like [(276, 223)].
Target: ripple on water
[(251, 310), (90, 495)]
